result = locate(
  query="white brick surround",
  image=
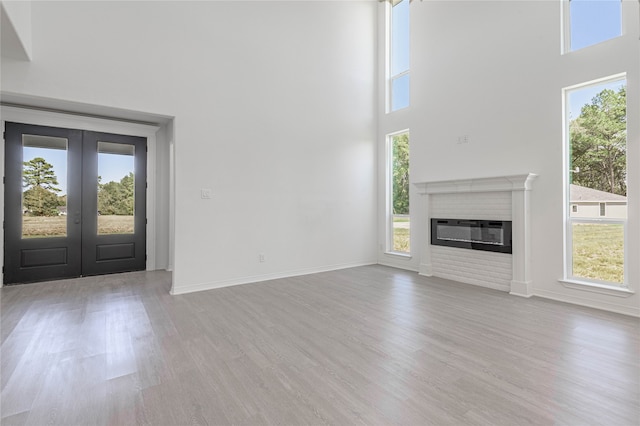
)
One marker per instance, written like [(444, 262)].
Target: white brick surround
[(496, 198), (474, 205), (482, 268)]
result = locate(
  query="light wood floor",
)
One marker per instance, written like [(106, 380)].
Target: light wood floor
[(369, 345)]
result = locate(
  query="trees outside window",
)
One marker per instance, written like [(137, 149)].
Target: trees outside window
[(116, 198), (599, 143), (41, 188), (399, 224), (597, 177)]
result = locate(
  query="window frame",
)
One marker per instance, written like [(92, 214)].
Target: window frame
[(569, 278), (389, 231), (390, 77), (565, 13)]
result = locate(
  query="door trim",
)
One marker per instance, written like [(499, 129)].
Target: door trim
[(56, 119)]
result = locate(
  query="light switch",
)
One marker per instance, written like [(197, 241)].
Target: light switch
[(205, 193)]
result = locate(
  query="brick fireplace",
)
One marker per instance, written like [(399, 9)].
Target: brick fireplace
[(502, 198)]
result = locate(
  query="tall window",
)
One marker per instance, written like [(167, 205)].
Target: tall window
[(398, 55), (588, 22), (398, 224), (597, 182)]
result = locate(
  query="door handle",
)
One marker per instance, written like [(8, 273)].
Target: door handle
[(76, 220)]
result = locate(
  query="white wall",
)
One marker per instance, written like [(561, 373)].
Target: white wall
[(493, 71), (274, 111), (16, 29)]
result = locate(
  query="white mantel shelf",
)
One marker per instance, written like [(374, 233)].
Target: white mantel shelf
[(485, 184), (519, 186)]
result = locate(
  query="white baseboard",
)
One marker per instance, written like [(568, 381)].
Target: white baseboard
[(426, 269), (605, 306), (265, 277), (521, 288), (399, 265)]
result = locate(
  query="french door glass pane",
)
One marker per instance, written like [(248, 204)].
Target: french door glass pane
[(44, 186), (598, 251), (116, 183)]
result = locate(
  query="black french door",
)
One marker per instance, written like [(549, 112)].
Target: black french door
[(75, 203)]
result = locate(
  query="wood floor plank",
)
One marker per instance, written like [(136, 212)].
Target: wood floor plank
[(369, 345)]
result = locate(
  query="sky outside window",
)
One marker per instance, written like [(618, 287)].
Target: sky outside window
[(594, 21), (400, 92), (400, 38), (399, 56)]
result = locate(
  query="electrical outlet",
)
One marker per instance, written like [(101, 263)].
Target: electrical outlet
[(261, 257)]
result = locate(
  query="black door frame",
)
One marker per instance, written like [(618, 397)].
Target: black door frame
[(103, 253), (64, 252), (159, 131), (82, 251)]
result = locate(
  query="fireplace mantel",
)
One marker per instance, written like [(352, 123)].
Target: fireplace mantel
[(519, 186), (485, 184)]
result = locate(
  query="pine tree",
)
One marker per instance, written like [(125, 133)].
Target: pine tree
[(599, 143), (40, 181)]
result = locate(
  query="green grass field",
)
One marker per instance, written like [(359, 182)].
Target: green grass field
[(44, 226), (598, 252), (401, 240), (56, 226)]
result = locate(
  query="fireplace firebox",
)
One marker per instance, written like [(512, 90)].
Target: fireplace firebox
[(487, 235)]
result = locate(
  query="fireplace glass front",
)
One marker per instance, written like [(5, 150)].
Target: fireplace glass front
[(488, 235)]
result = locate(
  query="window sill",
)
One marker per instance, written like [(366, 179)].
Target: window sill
[(597, 288), (398, 254)]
